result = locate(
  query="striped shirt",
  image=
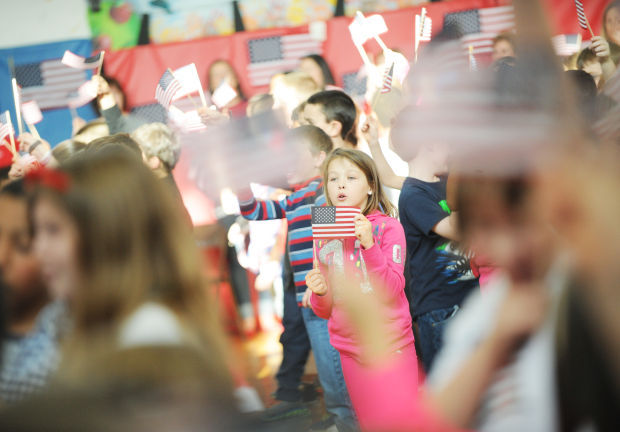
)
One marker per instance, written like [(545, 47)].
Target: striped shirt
[(297, 209)]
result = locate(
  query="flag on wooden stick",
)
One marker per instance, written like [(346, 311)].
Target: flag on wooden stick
[(333, 222)]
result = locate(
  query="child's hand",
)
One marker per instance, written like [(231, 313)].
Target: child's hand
[(363, 231), (316, 282), (600, 47), (370, 131)]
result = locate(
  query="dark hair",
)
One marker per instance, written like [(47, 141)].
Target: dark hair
[(314, 136), (586, 55), (237, 89), (259, 103), (117, 140), (328, 77), (585, 92), (67, 149), (338, 106), (14, 189), (112, 82)]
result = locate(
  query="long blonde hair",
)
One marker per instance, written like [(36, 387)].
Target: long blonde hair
[(134, 246), (378, 200)]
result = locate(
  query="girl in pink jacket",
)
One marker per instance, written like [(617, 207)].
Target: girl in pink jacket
[(353, 273)]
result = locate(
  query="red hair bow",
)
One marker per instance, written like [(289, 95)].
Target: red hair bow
[(50, 178)]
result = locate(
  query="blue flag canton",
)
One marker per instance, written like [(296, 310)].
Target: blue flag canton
[(166, 79), (29, 75), (265, 49), (458, 24), (323, 215)]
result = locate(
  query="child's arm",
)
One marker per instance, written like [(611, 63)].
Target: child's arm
[(384, 261), (321, 298), (386, 173), (447, 227), (253, 209)]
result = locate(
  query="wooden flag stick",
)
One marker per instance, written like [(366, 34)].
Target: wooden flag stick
[(33, 130), (73, 112), (13, 148), (589, 28), (315, 262), (202, 96), (18, 111), (100, 63)]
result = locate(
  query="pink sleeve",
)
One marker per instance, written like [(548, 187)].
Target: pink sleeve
[(384, 260)]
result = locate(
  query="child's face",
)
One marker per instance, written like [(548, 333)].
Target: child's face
[(313, 115), (19, 267), (55, 244), (310, 67), (307, 165), (346, 184), (612, 25), (502, 49)]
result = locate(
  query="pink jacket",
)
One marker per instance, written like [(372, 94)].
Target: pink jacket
[(379, 269)]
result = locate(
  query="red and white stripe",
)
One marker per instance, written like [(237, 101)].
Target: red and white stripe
[(294, 47), (58, 82), (343, 228), (581, 15)]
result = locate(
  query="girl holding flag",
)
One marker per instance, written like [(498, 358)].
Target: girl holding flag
[(360, 266)]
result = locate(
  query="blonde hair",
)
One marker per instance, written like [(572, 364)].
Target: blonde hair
[(378, 200), (134, 246), (157, 139)]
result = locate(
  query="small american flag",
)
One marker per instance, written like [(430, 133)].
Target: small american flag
[(387, 79), (167, 87), (31, 112), (478, 27), (272, 55), (79, 62), (49, 83), (333, 222), (185, 121), (566, 45), (5, 125), (424, 28), (84, 94), (581, 15)]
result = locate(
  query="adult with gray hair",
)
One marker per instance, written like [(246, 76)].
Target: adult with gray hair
[(160, 151)]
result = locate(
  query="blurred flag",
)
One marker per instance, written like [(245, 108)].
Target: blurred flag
[(272, 55), (333, 222), (478, 27), (364, 28), (166, 89), (188, 78), (581, 15), (423, 29), (84, 94), (48, 82), (186, 122), (78, 62), (5, 125), (223, 95), (31, 112), (387, 79), (244, 150), (566, 45)]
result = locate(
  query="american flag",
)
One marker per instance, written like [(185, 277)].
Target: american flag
[(478, 27), (333, 222), (581, 15), (167, 87), (84, 94), (566, 45), (424, 29), (185, 121), (79, 62), (387, 79), (364, 28), (5, 125), (49, 83), (31, 112), (272, 55)]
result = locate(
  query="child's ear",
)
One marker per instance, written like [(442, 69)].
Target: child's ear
[(319, 159), (153, 162), (334, 128)]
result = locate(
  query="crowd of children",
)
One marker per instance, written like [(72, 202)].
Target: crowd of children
[(485, 298)]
